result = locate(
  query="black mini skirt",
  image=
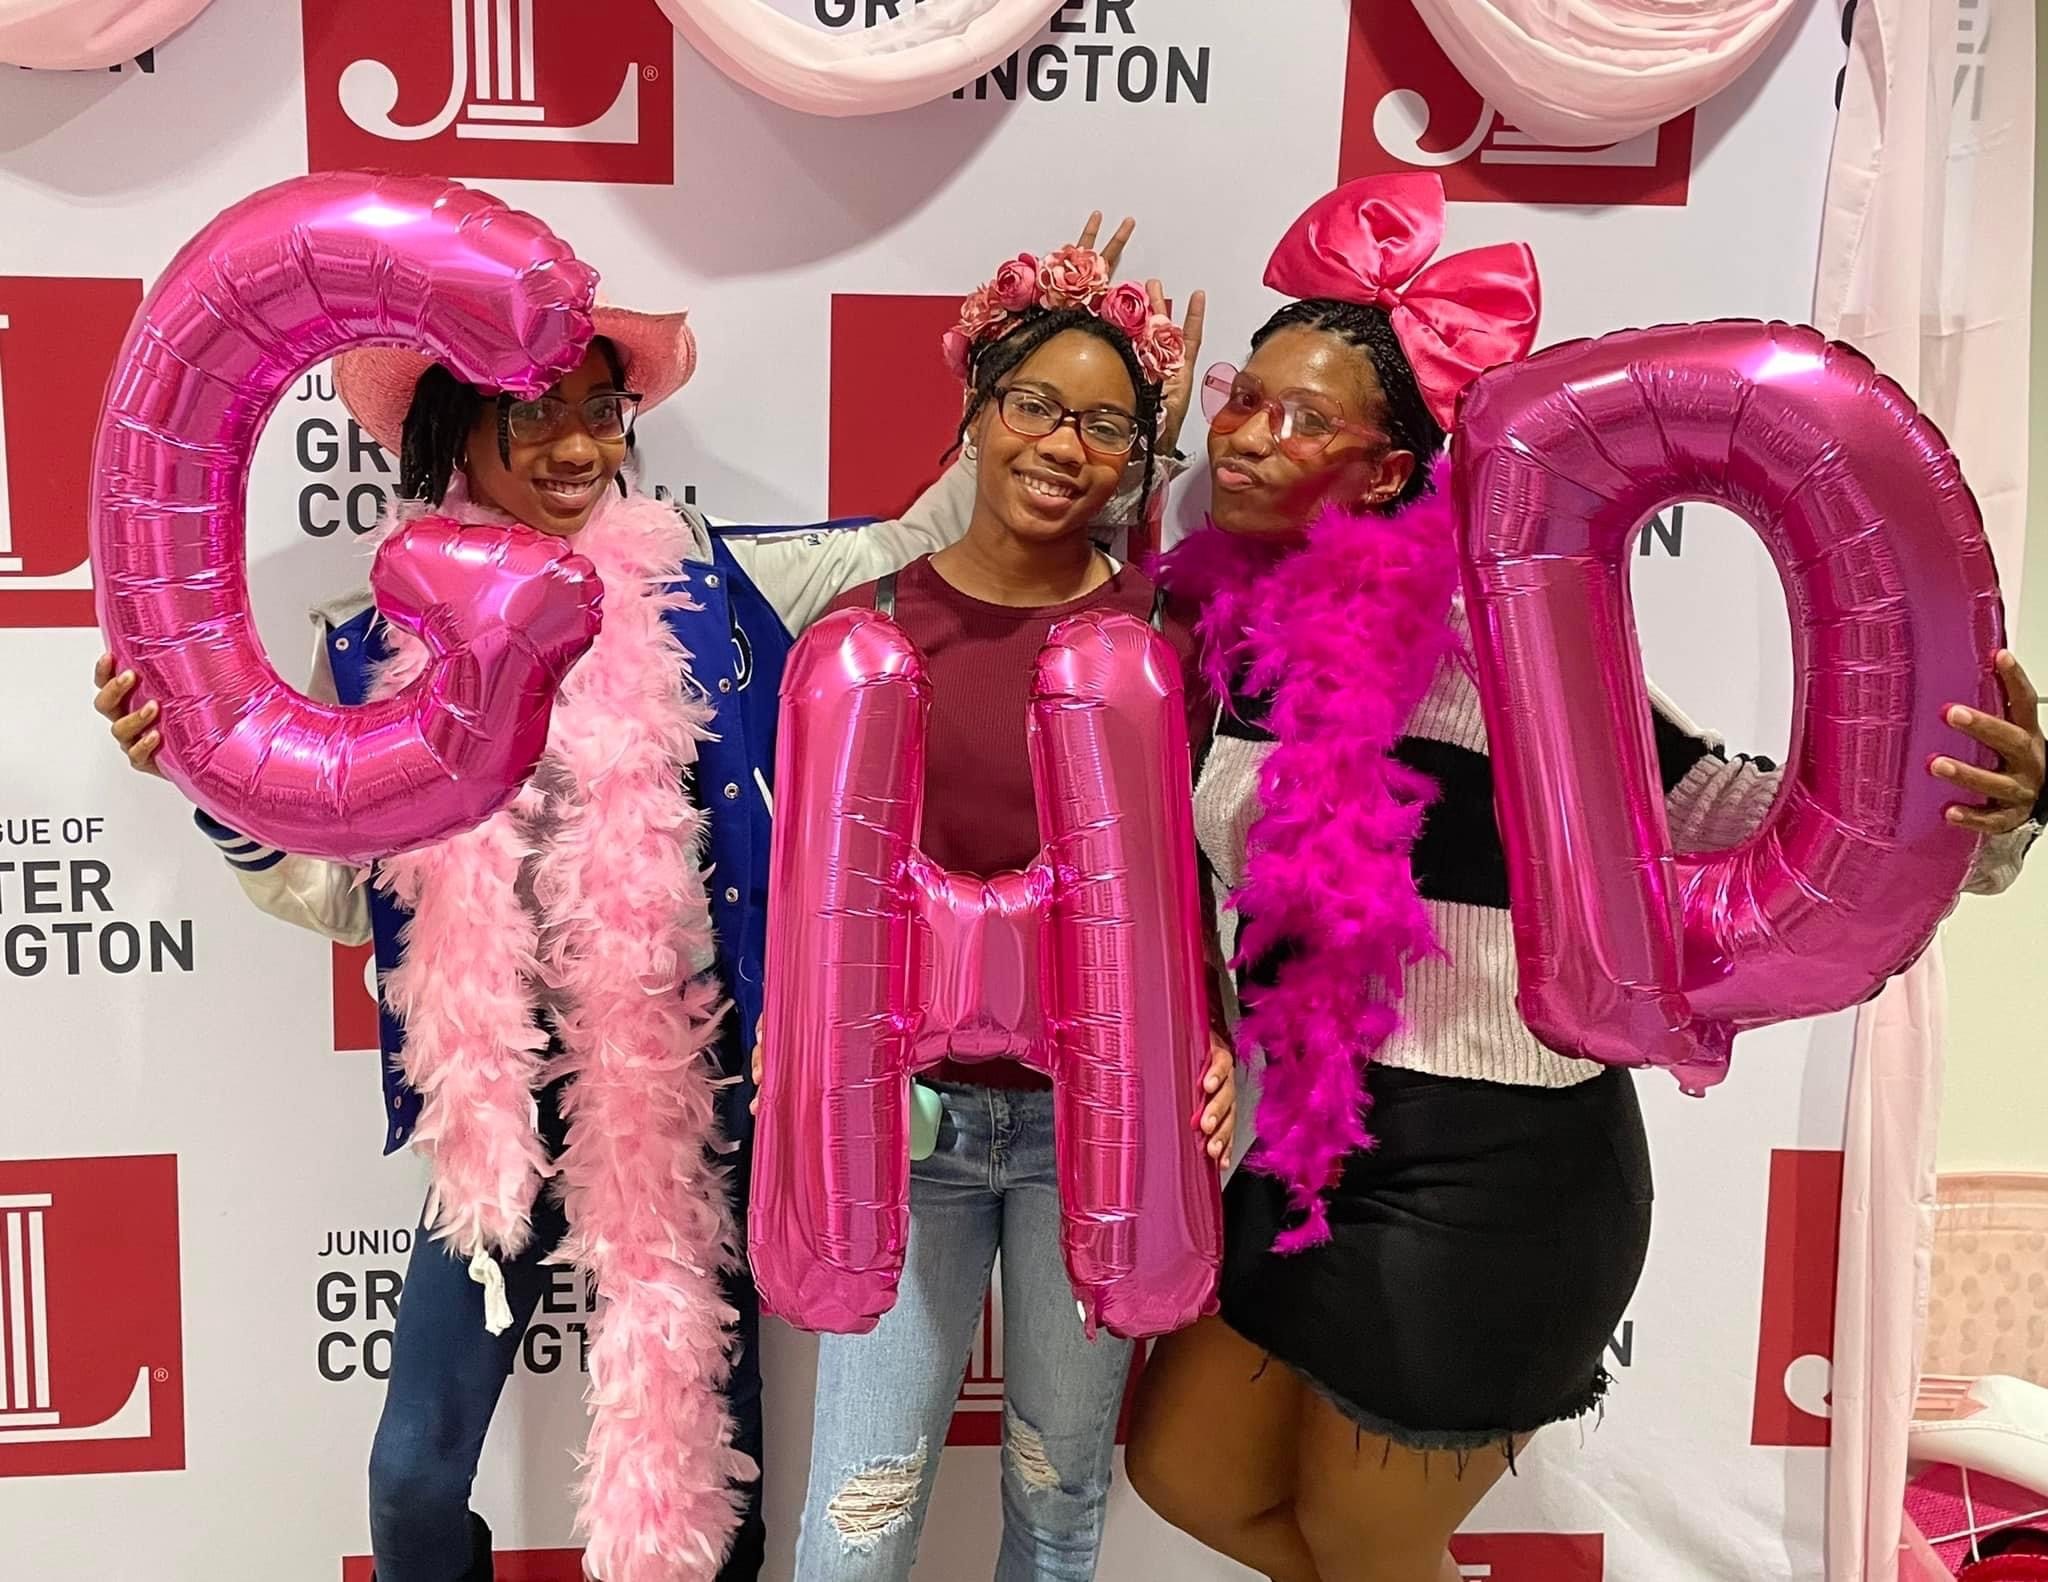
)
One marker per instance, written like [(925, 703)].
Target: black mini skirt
[(1480, 1258)]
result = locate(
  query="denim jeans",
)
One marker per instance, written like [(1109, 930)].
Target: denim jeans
[(884, 1399), (447, 1373)]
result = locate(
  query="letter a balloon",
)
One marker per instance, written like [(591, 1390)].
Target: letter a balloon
[(278, 283)]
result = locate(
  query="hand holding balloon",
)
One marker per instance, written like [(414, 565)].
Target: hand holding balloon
[(1087, 966), (2012, 792), (1630, 952), (281, 281)]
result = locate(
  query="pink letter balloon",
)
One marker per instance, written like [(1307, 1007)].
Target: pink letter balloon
[(282, 280), (1630, 953), (1087, 966)]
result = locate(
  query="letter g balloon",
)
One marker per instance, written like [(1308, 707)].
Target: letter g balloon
[(278, 283)]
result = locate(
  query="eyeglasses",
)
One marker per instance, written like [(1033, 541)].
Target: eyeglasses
[(1302, 425), (1103, 431), (607, 417)]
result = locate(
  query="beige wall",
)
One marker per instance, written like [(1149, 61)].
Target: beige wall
[(1996, 1110)]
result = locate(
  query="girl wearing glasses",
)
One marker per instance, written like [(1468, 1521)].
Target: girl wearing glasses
[(697, 624), (1066, 378), (1400, 1315)]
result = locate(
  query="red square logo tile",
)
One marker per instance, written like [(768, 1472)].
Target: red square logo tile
[(895, 408), (58, 341), (491, 88), (353, 997), (92, 1373), (1530, 1557), (1406, 107), (1796, 1337)]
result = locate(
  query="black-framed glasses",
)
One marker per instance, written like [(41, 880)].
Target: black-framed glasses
[(607, 417), (1031, 414)]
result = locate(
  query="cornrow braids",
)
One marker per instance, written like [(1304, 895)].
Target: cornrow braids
[(1410, 426), (994, 361), (435, 438)]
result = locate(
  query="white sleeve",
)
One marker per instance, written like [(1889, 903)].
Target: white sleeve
[(1720, 801), (309, 892), (800, 573), (1723, 801)]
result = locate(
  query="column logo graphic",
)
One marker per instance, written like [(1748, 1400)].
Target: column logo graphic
[(58, 340), (542, 90), (1406, 107), (1796, 1331), (91, 1346)]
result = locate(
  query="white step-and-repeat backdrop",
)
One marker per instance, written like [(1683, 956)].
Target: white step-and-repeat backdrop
[(200, 1249)]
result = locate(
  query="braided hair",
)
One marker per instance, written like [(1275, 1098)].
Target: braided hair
[(1410, 426), (435, 438), (994, 361)]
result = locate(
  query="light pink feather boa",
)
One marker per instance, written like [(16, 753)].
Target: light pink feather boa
[(620, 889), (1345, 629)]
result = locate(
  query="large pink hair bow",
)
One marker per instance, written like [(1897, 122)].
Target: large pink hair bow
[(1459, 317)]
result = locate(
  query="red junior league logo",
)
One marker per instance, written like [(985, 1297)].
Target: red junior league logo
[(1796, 1337), (887, 433), (508, 89), (92, 1372), (1406, 107), (352, 995), (58, 341), (1530, 1557), (978, 1410), (514, 1565)]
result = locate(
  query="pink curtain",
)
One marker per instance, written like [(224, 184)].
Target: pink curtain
[(1582, 73), (1926, 263), (80, 34)]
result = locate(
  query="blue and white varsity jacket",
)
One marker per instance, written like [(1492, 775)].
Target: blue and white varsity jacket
[(754, 587)]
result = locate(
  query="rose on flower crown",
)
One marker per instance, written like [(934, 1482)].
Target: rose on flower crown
[(1072, 277)]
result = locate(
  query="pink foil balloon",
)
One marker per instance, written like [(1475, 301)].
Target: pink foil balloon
[(277, 283), (1630, 953), (1088, 966)]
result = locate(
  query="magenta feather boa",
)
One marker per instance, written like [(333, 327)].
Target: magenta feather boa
[(1345, 630), (613, 851)]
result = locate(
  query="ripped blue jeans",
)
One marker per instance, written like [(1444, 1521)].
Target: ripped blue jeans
[(884, 1399)]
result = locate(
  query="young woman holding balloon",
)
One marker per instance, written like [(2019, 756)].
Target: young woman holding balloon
[(1066, 379), (696, 627), (1396, 1322)]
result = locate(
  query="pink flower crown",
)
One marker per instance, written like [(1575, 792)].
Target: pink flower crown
[(1073, 277)]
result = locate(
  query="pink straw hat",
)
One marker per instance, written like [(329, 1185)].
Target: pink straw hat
[(657, 349)]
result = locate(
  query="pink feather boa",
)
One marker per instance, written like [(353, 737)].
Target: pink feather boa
[(1345, 629), (617, 878)]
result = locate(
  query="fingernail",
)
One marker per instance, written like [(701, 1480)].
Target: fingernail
[(1945, 768), (128, 675), (1959, 716), (1955, 815)]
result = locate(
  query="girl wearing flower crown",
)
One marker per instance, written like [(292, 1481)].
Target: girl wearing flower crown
[(1066, 376), (1400, 1312), (568, 1080)]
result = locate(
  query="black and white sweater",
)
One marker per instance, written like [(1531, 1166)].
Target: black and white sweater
[(1458, 1010)]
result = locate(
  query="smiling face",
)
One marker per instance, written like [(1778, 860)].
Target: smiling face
[(1262, 489), (552, 484), (1052, 485)]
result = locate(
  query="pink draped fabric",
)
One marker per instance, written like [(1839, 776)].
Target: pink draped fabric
[(1584, 73), (1926, 260), (81, 34)]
